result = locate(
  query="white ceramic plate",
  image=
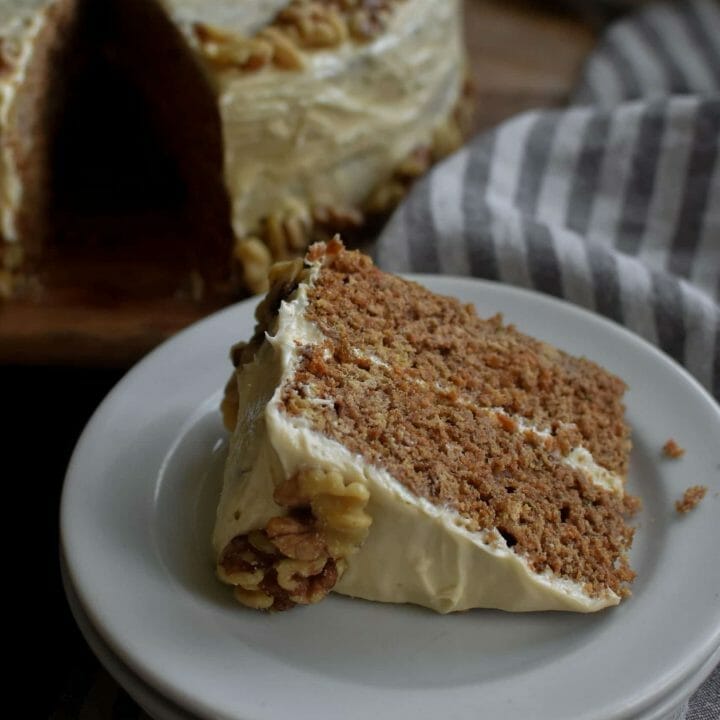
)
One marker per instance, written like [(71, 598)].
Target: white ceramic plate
[(137, 512), (161, 708), (145, 696)]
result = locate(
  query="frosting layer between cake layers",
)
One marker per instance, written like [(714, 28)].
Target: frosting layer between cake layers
[(416, 551)]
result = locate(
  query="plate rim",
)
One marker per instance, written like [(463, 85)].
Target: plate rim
[(149, 698)]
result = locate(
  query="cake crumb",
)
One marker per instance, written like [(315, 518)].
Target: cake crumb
[(633, 505), (672, 450), (693, 495)]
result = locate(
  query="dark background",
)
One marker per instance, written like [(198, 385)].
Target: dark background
[(46, 410)]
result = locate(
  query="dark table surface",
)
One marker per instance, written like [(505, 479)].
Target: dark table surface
[(46, 410)]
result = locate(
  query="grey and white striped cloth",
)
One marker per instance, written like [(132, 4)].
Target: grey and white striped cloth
[(613, 203)]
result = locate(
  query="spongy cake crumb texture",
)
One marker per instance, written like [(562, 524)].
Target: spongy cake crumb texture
[(412, 381)]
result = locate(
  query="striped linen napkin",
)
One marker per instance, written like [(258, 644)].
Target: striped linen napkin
[(613, 203)]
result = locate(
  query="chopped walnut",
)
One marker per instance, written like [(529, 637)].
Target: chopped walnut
[(255, 260), (287, 230), (229, 50), (334, 218), (307, 582), (327, 23), (283, 277), (256, 599), (285, 56), (296, 538), (672, 450), (260, 541), (370, 18), (293, 574), (313, 24), (339, 508), (302, 25), (224, 50), (692, 496), (243, 564)]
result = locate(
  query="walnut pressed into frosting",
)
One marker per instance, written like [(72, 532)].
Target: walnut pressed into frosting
[(297, 558), (300, 26)]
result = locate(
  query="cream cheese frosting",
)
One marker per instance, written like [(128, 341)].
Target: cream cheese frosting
[(330, 133), (415, 552)]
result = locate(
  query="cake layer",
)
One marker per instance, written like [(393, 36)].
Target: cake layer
[(491, 465)]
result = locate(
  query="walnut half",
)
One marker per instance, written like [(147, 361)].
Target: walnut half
[(297, 558)]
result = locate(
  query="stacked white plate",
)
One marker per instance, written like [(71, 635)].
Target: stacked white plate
[(137, 513), (146, 697)]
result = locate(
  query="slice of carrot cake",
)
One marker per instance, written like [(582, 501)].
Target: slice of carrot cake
[(389, 444)]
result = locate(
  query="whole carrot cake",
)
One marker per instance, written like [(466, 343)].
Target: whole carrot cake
[(389, 444), (286, 119)]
